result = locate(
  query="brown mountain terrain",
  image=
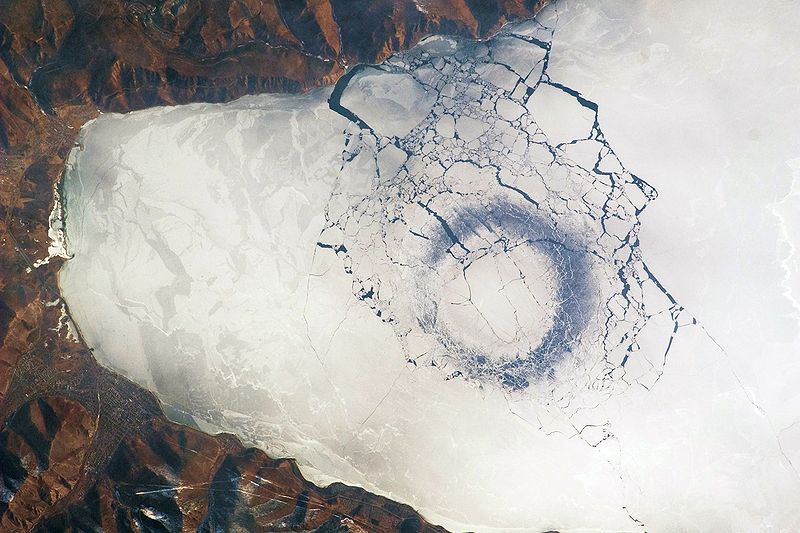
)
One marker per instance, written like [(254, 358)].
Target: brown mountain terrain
[(81, 448)]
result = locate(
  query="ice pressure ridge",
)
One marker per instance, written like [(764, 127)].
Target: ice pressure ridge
[(498, 220), (425, 280)]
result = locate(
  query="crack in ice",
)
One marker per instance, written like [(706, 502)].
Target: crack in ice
[(569, 189)]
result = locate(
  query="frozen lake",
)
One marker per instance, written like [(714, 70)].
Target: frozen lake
[(544, 281)]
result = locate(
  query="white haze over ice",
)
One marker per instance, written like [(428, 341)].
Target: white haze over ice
[(446, 288)]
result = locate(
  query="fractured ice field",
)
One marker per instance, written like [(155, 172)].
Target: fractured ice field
[(440, 279)]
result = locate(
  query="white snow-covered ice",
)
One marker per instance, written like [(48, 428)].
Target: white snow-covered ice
[(546, 281)]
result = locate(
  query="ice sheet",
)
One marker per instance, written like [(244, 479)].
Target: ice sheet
[(545, 281)]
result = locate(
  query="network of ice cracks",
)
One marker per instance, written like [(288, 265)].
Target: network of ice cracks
[(450, 231), (427, 281), (497, 221)]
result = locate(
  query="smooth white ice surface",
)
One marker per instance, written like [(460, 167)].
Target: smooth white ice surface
[(267, 267)]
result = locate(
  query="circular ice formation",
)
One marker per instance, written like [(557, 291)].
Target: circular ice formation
[(218, 250), (501, 301), (503, 169), (505, 295)]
